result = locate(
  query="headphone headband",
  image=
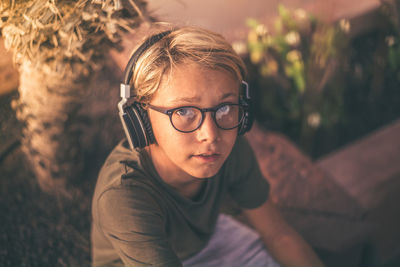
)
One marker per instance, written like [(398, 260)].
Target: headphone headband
[(143, 47)]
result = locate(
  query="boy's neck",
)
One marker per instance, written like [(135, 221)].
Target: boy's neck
[(191, 191), (180, 181)]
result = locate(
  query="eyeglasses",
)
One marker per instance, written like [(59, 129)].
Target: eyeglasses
[(188, 119)]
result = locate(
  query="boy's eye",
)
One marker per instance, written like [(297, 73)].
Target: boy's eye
[(222, 111), (185, 112)]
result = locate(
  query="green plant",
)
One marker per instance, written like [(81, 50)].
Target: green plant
[(320, 87), (293, 67)]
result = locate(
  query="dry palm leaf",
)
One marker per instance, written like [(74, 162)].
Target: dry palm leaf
[(66, 35)]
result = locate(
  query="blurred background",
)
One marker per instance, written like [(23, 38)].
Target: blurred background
[(325, 79)]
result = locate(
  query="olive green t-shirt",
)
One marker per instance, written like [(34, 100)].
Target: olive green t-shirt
[(140, 220)]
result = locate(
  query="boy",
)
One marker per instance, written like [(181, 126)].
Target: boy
[(158, 194)]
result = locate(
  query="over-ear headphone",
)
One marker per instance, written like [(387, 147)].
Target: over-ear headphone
[(245, 100), (134, 117)]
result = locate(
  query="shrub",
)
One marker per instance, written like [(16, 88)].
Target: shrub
[(319, 86)]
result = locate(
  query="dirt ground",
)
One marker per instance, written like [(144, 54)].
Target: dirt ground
[(37, 229)]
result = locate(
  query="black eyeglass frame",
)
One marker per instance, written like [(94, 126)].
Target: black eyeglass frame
[(213, 111)]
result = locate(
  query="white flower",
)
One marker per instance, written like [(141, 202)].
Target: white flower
[(252, 37), (272, 66), (293, 56), (256, 56), (292, 38), (239, 47), (300, 14), (314, 120), (344, 25), (390, 40), (261, 30)]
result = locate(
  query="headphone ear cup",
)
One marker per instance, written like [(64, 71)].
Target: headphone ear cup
[(137, 126), (245, 100), (247, 121), (248, 117), (148, 130)]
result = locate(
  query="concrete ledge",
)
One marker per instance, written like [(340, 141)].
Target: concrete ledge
[(367, 168), (369, 171), (311, 201)]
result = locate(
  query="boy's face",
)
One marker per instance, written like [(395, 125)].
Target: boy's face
[(177, 156)]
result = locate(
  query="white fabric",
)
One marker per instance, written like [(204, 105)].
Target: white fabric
[(232, 245)]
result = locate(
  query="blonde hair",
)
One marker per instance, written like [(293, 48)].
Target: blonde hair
[(183, 45)]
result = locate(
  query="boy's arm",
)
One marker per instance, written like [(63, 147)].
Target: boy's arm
[(282, 242)]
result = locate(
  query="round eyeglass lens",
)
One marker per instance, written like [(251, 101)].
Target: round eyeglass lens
[(186, 119), (228, 116)]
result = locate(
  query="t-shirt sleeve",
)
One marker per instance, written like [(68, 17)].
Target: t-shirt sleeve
[(134, 224), (247, 186)]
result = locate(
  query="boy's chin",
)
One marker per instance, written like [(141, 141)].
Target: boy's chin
[(206, 174)]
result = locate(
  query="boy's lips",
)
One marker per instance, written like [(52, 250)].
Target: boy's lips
[(207, 157)]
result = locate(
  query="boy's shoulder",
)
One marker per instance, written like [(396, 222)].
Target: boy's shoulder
[(120, 154), (121, 162)]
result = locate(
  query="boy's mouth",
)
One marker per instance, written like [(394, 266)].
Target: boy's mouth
[(207, 157)]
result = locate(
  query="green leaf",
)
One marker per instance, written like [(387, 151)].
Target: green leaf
[(283, 11)]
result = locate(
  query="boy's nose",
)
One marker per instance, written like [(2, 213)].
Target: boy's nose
[(208, 130)]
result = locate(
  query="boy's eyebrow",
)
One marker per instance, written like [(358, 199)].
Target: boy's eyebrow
[(196, 99), (184, 99), (227, 95)]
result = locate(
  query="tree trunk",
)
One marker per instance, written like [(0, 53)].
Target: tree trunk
[(48, 104), (57, 47)]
